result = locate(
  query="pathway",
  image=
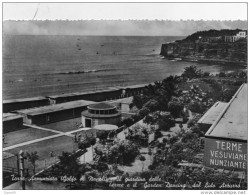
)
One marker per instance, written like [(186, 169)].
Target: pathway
[(45, 129)]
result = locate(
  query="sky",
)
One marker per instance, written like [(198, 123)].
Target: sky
[(125, 11)]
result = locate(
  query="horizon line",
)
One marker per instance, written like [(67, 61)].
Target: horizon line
[(121, 20)]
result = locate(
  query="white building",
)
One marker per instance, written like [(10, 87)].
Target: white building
[(101, 113)]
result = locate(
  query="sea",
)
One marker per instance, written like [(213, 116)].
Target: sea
[(43, 65)]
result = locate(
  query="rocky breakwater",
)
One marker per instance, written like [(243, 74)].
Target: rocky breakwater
[(209, 46)]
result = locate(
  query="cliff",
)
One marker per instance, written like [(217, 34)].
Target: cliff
[(198, 47)]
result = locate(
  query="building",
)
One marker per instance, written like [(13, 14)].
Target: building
[(12, 122), (238, 36), (211, 115), (226, 139), (54, 113), (123, 104), (101, 113), (97, 95), (18, 104), (209, 39)]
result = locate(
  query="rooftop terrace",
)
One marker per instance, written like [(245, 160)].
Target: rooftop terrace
[(55, 107)]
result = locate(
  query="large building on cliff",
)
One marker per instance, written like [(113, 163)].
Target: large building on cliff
[(236, 37)]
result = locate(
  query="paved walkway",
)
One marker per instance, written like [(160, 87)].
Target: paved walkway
[(45, 129), (44, 138)]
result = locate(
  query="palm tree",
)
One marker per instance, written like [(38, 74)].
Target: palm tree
[(69, 165), (33, 157), (191, 72)]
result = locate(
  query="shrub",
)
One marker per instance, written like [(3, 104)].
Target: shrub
[(175, 108), (124, 152), (158, 134), (151, 167), (102, 135), (196, 107), (128, 122), (222, 74), (84, 144)]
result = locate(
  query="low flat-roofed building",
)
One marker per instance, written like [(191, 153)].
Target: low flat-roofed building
[(24, 103), (11, 122), (94, 95), (55, 112), (109, 93), (226, 139), (211, 115)]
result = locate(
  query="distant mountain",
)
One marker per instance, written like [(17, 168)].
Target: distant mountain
[(117, 27)]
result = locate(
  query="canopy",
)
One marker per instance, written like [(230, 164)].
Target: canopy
[(106, 127)]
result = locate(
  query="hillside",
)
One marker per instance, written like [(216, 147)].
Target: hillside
[(208, 46)]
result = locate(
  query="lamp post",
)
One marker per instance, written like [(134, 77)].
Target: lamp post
[(17, 162), (21, 167)]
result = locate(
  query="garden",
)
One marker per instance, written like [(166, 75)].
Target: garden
[(169, 146)]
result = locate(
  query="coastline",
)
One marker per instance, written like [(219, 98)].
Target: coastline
[(206, 60)]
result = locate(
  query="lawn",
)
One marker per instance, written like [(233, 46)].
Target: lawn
[(43, 148), (64, 126), (25, 135)]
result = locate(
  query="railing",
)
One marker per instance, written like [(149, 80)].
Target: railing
[(10, 169)]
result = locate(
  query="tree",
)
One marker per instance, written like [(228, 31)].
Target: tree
[(69, 165), (123, 152), (101, 167), (83, 145), (144, 112), (175, 108), (102, 135), (158, 134), (166, 121), (191, 72), (196, 107), (165, 141), (152, 105), (138, 101), (128, 122), (33, 157)]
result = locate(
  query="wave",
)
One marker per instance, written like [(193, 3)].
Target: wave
[(84, 71)]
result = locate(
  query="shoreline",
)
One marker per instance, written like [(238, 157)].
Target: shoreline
[(206, 60)]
